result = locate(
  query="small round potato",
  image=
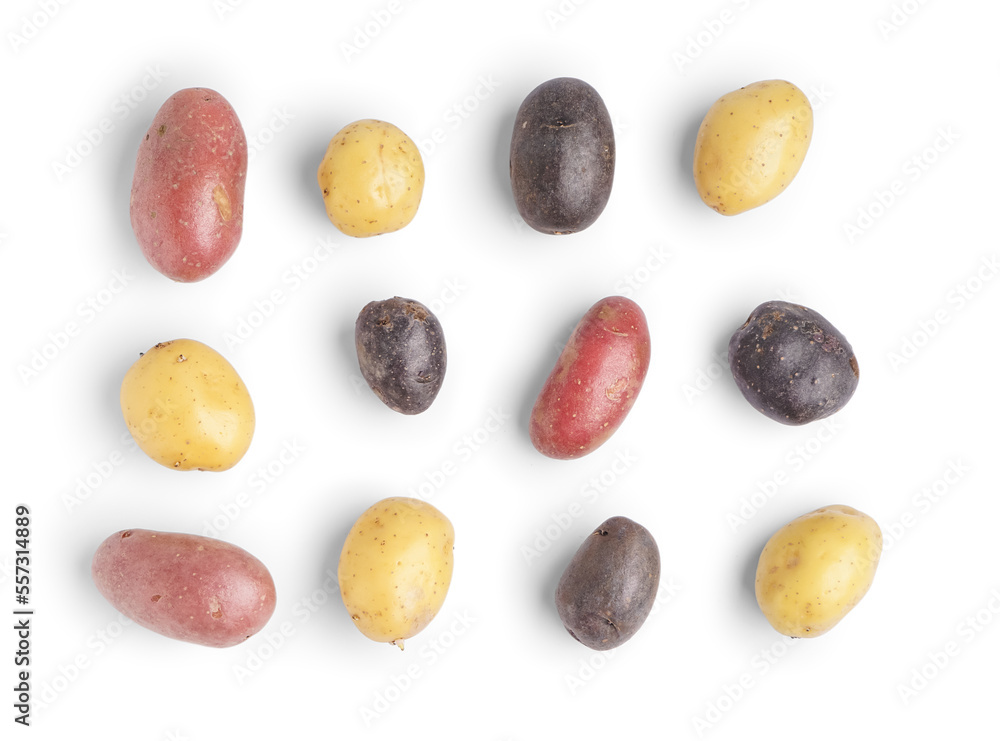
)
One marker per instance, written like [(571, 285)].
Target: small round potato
[(792, 364), (372, 178), (187, 408), (816, 569), (395, 568), (401, 353), (751, 144)]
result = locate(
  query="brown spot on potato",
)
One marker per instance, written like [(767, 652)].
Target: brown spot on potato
[(614, 391), (417, 311), (221, 199)]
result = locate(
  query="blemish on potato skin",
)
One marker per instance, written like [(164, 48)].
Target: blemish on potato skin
[(222, 202)]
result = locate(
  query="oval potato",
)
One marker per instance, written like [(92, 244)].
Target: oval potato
[(607, 591), (562, 156), (372, 179), (595, 381), (751, 144), (395, 568), (816, 569), (187, 587), (187, 408), (186, 205), (401, 353)]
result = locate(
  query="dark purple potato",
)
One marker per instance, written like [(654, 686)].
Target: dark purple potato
[(562, 156), (607, 591), (792, 364), (401, 352)]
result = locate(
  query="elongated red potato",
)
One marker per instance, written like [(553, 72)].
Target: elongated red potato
[(187, 191), (189, 587), (595, 381)]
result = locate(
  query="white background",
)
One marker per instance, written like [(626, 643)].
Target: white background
[(904, 94)]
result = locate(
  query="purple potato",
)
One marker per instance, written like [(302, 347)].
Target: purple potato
[(607, 590), (402, 353), (791, 364), (562, 156)]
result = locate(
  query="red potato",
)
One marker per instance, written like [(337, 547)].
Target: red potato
[(595, 381), (188, 587), (187, 191)]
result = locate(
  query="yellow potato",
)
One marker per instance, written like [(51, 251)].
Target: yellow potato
[(815, 569), (187, 408), (372, 178), (395, 568), (751, 144)]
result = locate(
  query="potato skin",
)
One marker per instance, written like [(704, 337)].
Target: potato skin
[(372, 179), (186, 205), (562, 156), (815, 570), (792, 364), (608, 589), (751, 144), (395, 568), (595, 381), (401, 352), (188, 587), (187, 408)]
